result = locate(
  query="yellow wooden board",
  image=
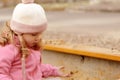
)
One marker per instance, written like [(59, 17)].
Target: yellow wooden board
[(90, 51)]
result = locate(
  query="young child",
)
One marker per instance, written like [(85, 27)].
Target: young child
[(21, 45)]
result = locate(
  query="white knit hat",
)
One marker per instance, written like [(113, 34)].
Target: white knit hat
[(28, 17)]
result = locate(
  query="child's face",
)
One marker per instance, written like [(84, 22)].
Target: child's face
[(31, 39)]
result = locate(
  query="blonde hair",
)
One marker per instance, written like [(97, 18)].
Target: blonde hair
[(7, 37)]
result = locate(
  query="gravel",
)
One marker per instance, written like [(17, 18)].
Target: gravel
[(88, 39)]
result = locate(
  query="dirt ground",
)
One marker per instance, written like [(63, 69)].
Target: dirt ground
[(110, 40), (83, 67)]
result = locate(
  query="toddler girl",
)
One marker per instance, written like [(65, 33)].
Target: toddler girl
[(21, 45)]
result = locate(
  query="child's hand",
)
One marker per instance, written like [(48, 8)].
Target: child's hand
[(64, 75)]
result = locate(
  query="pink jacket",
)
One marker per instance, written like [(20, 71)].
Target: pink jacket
[(10, 65)]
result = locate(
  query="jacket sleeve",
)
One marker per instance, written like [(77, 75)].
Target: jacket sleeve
[(49, 70), (5, 63)]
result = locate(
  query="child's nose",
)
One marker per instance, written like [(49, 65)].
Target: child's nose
[(37, 39)]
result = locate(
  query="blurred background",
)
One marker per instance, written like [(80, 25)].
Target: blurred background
[(7, 3), (86, 22), (97, 20)]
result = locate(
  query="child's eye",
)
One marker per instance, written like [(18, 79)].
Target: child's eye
[(37, 34), (34, 34)]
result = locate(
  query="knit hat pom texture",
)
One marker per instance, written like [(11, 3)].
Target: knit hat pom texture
[(27, 1)]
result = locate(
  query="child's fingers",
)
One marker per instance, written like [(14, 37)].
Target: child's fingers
[(66, 75), (61, 67)]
